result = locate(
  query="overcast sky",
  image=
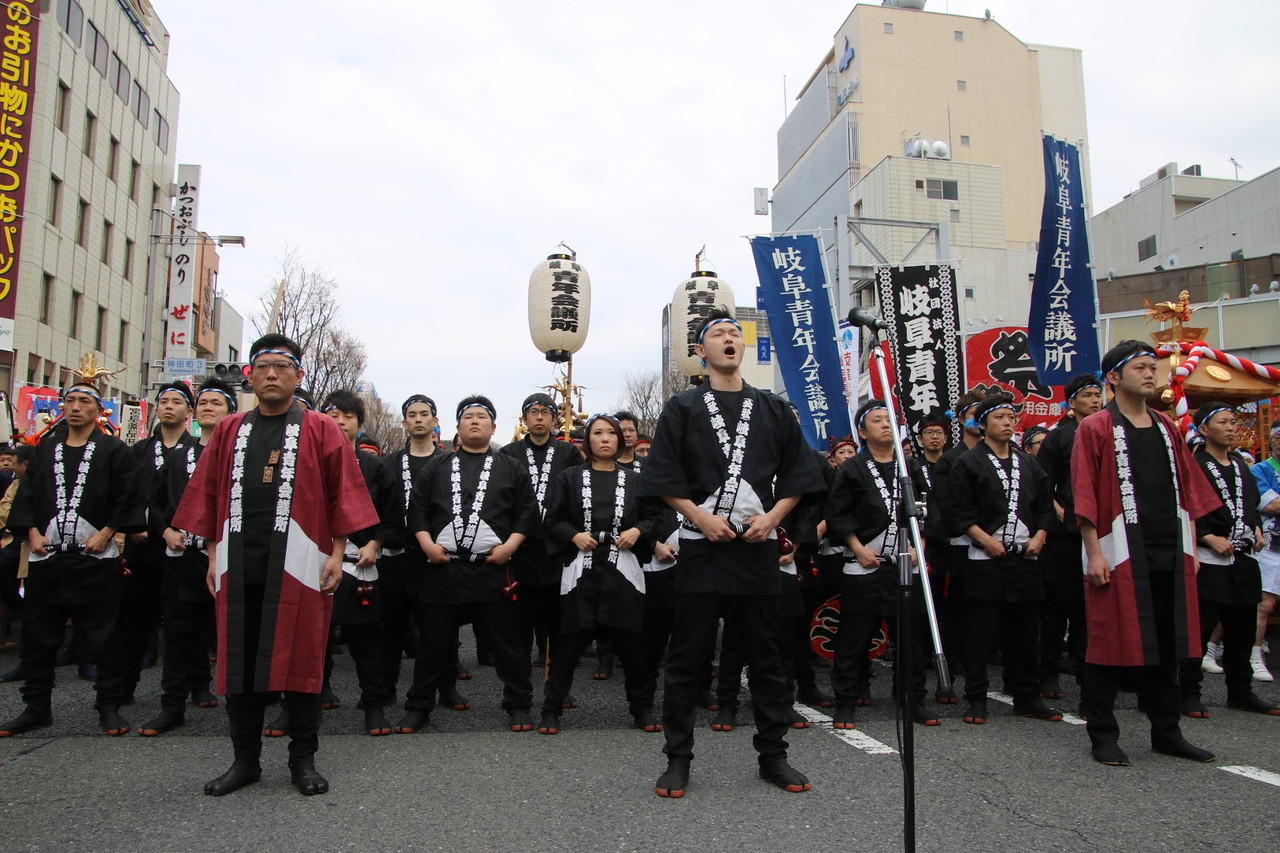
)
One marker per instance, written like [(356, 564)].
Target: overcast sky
[(427, 155)]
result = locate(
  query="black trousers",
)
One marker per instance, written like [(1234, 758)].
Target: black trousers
[(246, 712), (1158, 690), (509, 643), (398, 581), (1063, 636), (540, 608), (751, 623), (1013, 629), (141, 614), (1239, 623), (946, 582), (185, 627), (364, 644), (852, 668), (566, 651)]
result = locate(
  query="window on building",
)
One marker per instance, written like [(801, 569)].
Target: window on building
[(100, 334), (90, 134), (113, 160), (119, 77), (61, 105), (142, 106), (1146, 247), (54, 213), (129, 249), (161, 132), (962, 86), (233, 354), (122, 345), (888, 28), (48, 285), (82, 223), (964, 141), (941, 189), (155, 196), (73, 328), (108, 235), (71, 17), (98, 49), (959, 35), (970, 293), (955, 215), (135, 170)]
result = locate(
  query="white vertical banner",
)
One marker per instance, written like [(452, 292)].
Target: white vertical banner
[(848, 341), (183, 249)]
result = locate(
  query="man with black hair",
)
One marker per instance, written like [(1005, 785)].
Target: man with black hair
[(1137, 494), (538, 571), (76, 496), (947, 563), (403, 564), (186, 607), (630, 433), (1062, 558), (1000, 498), (1229, 584), (862, 515), (275, 495), (470, 514), (144, 552), (731, 459), (1032, 438), (356, 604)]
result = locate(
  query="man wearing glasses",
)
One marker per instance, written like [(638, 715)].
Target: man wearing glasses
[(275, 495)]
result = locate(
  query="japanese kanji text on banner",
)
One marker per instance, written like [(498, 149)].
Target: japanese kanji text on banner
[(793, 291), (17, 106), (183, 265), (918, 304), (1060, 332)]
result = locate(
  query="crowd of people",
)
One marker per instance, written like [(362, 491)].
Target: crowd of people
[(1103, 549)]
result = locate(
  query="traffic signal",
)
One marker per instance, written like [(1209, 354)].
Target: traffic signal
[(234, 374)]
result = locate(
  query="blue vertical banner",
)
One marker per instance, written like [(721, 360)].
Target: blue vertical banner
[(793, 293), (1060, 325)]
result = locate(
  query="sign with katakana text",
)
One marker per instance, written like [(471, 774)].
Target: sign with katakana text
[(998, 358), (1060, 324), (21, 22), (793, 290), (184, 266), (918, 303)]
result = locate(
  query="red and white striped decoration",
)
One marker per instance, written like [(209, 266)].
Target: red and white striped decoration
[(1194, 352)]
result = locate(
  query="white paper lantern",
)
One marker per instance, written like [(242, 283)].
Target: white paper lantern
[(559, 306), (694, 299)]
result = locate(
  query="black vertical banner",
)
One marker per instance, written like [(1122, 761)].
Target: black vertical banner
[(919, 305)]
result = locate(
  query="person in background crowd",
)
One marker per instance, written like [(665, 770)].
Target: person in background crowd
[(1032, 438), (1267, 475)]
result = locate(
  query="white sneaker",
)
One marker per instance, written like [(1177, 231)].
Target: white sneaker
[(1208, 664), (1266, 647), (1214, 650), (1260, 671)]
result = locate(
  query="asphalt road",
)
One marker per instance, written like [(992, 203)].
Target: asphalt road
[(467, 784)]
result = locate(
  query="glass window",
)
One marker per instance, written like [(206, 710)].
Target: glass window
[(135, 168), (82, 221), (61, 105), (113, 159), (1146, 247), (73, 329), (955, 215), (100, 334), (161, 134), (108, 233), (90, 134), (48, 288), (941, 189), (959, 35), (888, 28), (129, 247), (962, 86), (964, 140), (122, 344), (54, 214), (71, 17)]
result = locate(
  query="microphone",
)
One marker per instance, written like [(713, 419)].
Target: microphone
[(858, 317)]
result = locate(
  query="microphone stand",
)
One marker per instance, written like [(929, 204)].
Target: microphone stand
[(908, 520)]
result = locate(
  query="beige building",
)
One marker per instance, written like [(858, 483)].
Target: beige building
[(932, 119), (103, 119)]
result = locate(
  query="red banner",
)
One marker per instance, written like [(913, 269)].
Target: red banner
[(999, 358), (17, 101)]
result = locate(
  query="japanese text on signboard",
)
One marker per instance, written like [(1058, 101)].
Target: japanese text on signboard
[(183, 257), (17, 98)]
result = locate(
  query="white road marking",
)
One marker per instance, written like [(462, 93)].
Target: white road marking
[(1008, 700), (853, 737), (1254, 773)]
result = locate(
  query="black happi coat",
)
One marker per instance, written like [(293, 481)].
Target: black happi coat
[(1241, 582), (535, 564), (151, 473), (184, 571), (978, 497), (110, 499), (603, 594), (396, 528), (1055, 459), (685, 461), (350, 606), (855, 506), (659, 522), (509, 507)]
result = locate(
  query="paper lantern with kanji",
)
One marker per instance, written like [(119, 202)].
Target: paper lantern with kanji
[(559, 306), (694, 299)]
